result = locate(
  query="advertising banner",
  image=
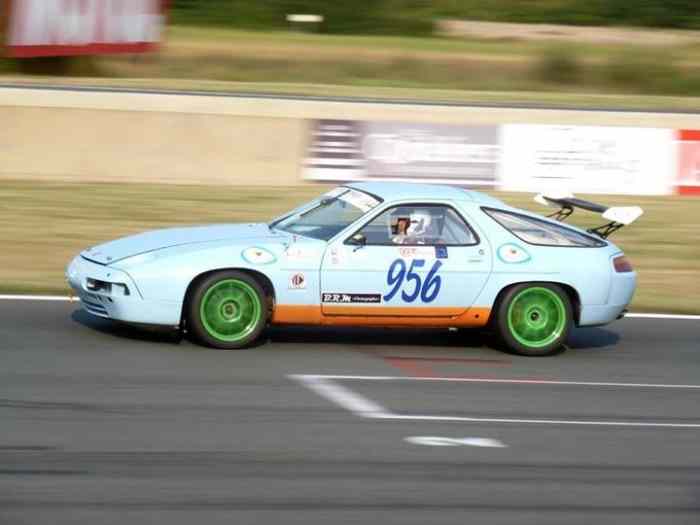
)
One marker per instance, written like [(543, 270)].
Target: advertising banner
[(588, 159), (345, 150), (82, 27), (688, 180)]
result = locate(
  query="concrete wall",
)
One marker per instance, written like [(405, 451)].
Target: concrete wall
[(108, 137)]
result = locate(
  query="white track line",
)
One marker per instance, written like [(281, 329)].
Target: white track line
[(326, 387), (664, 316), (638, 424), (67, 298), (496, 380), (37, 298), (340, 395)]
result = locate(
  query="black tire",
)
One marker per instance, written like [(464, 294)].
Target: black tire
[(534, 319), (227, 310)]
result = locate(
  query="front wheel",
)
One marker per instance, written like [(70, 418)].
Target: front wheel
[(227, 310), (534, 319)]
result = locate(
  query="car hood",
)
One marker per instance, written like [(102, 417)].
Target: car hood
[(117, 250)]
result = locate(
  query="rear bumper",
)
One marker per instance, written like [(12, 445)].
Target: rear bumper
[(622, 288), (114, 304)]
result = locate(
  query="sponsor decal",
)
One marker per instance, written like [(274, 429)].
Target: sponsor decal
[(297, 253), (441, 252), (257, 255), (297, 281), (513, 254), (360, 200), (335, 257), (347, 298)]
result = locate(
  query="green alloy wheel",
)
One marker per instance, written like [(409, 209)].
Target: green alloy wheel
[(227, 310), (534, 318)]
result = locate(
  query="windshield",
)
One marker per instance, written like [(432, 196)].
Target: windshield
[(329, 215)]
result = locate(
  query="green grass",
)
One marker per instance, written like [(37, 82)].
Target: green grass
[(549, 99), (181, 36), (274, 60), (43, 225)]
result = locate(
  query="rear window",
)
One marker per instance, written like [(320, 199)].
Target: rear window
[(541, 233)]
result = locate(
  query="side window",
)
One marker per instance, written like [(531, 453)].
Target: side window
[(539, 232), (419, 224)]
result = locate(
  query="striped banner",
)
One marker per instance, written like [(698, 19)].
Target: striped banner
[(346, 150)]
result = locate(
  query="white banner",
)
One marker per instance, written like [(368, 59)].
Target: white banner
[(587, 159)]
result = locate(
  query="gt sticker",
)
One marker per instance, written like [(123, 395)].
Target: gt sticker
[(409, 282), (257, 255), (513, 254), (346, 298), (297, 281), (416, 252)]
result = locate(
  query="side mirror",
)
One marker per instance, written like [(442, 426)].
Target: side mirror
[(358, 239)]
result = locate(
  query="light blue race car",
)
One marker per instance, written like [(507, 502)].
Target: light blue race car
[(371, 254)]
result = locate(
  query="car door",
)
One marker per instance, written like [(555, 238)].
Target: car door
[(410, 260)]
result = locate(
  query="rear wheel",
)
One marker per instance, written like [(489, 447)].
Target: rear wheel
[(227, 310), (534, 319)]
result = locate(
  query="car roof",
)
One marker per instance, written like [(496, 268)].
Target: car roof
[(396, 191)]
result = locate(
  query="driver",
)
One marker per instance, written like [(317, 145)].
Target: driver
[(411, 229), (400, 230)]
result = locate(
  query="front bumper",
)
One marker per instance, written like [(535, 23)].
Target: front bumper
[(122, 301)]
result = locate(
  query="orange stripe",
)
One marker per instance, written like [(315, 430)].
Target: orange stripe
[(296, 314), (382, 316)]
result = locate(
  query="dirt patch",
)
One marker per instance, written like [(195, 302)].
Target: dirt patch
[(590, 35)]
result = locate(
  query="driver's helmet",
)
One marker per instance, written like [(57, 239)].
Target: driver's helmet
[(420, 223)]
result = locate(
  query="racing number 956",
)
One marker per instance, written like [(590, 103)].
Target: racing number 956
[(410, 283)]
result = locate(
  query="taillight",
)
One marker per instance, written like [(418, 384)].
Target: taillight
[(622, 264)]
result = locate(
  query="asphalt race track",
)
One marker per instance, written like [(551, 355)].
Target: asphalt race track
[(112, 425)]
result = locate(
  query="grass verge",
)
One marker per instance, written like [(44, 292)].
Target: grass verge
[(44, 224), (557, 99), (277, 58)]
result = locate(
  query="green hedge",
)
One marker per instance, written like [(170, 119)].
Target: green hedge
[(414, 17), (651, 13), (348, 16)]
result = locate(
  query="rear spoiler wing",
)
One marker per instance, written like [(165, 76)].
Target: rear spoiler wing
[(618, 216)]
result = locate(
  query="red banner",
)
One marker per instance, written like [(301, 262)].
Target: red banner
[(83, 27), (688, 181)]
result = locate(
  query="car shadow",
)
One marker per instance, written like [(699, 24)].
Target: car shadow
[(316, 336), (379, 337), (126, 331), (592, 338)]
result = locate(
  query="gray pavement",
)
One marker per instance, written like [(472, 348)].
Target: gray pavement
[(107, 424)]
